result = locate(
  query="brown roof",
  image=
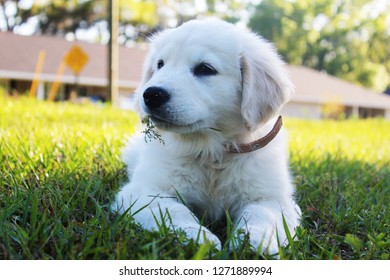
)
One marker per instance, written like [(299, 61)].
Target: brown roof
[(317, 87), (19, 55)]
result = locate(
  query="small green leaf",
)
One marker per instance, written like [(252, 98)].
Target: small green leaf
[(354, 242)]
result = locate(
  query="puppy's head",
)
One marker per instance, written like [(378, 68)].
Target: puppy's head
[(210, 75)]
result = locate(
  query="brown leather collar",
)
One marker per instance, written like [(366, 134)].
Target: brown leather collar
[(258, 144)]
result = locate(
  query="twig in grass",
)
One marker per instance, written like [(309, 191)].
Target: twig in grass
[(150, 133)]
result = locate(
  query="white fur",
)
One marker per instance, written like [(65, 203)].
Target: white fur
[(191, 177)]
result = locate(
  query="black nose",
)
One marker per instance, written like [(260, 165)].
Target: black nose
[(155, 97)]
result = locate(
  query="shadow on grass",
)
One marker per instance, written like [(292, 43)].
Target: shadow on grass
[(66, 216), (345, 205)]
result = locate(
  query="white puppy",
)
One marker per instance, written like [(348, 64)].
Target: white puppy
[(213, 91)]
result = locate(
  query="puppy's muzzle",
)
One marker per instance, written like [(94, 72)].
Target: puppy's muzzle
[(155, 97)]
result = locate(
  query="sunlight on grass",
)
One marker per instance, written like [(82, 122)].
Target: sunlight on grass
[(34, 133), (363, 140)]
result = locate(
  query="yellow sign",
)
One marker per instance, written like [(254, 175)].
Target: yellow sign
[(38, 70), (76, 59)]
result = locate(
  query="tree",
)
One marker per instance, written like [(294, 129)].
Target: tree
[(138, 18), (344, 38), (52, 17)]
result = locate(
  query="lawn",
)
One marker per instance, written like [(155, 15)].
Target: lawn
[(60, 167)]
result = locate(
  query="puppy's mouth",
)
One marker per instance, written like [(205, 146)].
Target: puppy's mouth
[(176, 126)]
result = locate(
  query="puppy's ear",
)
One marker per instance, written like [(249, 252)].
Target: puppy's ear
[(265, 82)]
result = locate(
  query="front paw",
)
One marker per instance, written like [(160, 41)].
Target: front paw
[(202, 235), (264, 241)]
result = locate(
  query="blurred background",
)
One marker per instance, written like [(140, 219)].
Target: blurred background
[(338, 51)]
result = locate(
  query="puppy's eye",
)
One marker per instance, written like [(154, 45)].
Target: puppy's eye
[(204, 69), (160, 64)]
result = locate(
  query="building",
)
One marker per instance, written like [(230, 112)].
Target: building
[(19, 56), (320, 95), (317, 94)]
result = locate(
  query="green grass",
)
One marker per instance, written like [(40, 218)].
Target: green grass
[(60, 167)]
